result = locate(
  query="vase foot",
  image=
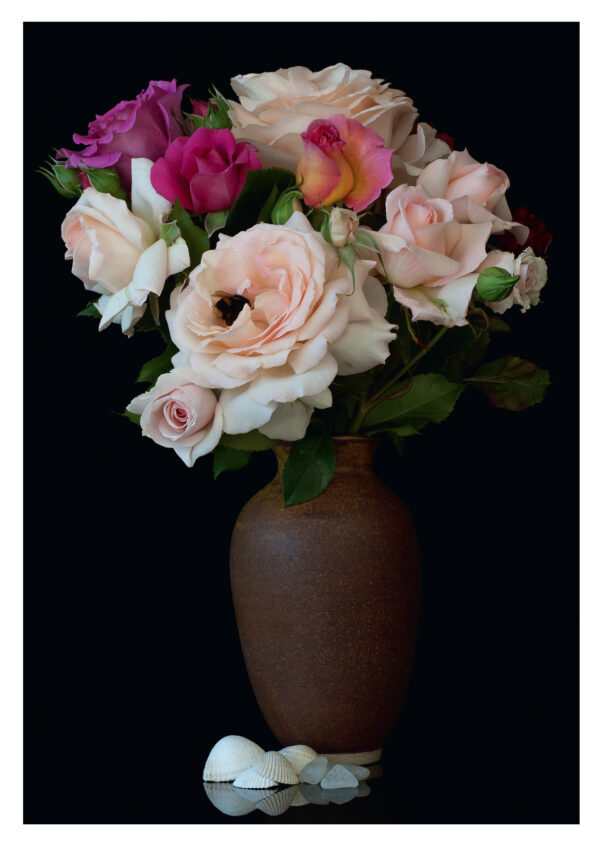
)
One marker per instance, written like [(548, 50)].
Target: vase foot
[(358, 758)]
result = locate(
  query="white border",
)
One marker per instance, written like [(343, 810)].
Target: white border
[(11, 392)]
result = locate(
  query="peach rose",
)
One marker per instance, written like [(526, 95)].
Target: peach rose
[(430, 257), (275, 108), (179, 413), (477, 191), (532, 272), (118, 252), (270, 317)]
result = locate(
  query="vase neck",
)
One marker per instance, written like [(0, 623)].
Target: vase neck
[(353, 454)]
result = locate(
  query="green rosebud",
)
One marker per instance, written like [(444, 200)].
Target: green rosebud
[(285, 206), (63, 179), (495, 284), (106, 181)]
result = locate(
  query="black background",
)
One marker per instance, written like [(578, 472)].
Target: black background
[(132, 662)]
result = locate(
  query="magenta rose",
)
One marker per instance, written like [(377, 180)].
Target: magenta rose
[(139, 128), (206, 171)]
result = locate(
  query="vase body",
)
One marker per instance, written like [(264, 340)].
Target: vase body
[(326, 596)]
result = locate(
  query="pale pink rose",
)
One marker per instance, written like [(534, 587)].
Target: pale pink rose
[(268, 316), (179, 413), (275, 108), (532, 272), (343, 226), (477, 191), (420, 148), (118, 252), (430, 257)]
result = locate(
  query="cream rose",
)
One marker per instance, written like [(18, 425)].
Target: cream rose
[(118, 252), (430, 257), (275, 108), (418, 150), (532, 272), (270, 317), (477, 191), (179, 413)]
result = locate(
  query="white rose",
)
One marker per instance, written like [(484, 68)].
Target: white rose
[(118, 252), (275, 108)]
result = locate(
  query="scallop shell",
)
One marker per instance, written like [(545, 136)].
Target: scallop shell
[(230, 756), (254, 795), (251, 779), (276, 767), (298, 756), (224, 797), (277, 803)]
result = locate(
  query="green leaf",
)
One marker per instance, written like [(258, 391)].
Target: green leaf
[(227, 459), (195, 237), (135, 419), (497, 325), (90, 309), (215, 221), (309, 468), (152, 370), (169, 232), (512, 383), (247, 441), (346, 254), (366, 239), (106, 181), (430, 398), (265, 211), (257, 188), (495, 284)]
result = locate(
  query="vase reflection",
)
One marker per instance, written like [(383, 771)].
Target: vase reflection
[(233, 801)]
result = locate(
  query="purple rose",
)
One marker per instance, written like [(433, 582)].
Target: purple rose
[(139, 128), (206, 171)]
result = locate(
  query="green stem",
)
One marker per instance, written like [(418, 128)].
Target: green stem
[(368, 404)]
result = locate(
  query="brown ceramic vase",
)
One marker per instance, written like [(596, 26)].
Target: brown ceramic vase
[(326, 596)]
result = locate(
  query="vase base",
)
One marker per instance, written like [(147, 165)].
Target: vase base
[(358, 758)]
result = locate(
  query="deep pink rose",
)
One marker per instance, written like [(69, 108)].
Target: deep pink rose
[(139, 128), (206, 171)]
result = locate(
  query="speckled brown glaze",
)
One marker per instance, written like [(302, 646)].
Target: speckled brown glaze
[(326, 596)]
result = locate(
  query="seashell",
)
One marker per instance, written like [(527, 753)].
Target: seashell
[(254, 795), (230, 756), (251, 779), (277, 803), (276, 767), (298, 756), (224, 797)]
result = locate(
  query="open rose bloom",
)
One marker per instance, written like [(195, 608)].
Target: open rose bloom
[(301, 250)]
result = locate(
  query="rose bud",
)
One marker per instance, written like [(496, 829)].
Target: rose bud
[(495, 283), (343, 225)]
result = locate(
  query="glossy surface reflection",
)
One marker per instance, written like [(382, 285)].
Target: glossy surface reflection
[(235, 802)]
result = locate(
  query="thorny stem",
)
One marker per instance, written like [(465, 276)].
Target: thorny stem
[(370, 402)]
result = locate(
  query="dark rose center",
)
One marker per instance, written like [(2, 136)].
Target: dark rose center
[(228, 307)]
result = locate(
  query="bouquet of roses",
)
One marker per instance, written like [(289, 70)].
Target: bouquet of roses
[(317, 262)]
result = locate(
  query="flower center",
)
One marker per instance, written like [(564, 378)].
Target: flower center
[(228, 307)]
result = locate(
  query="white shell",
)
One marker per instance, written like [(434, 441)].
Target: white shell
[(277, 803), (230, 756), (276, 767), (251, 779), (298, 756), (227, 800), (254, 795)]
